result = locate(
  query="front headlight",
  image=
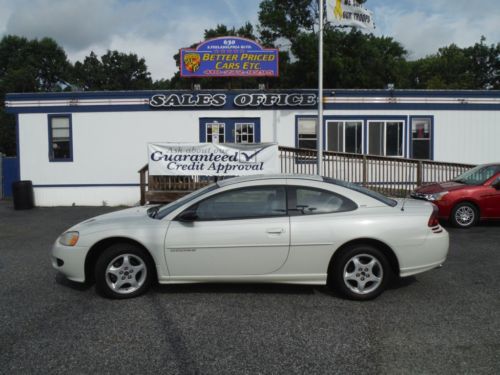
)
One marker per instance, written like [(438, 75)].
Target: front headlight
[(69, 238), (436, 197)]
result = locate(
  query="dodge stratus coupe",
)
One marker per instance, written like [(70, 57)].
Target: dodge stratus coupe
[(271, 229)]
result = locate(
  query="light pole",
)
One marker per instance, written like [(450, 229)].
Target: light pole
[(319, 126)]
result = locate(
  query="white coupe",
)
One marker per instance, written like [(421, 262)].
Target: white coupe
[(271, 229)]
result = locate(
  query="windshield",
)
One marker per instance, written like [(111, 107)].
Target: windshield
[(372, 194), (160, 212), (478, 175)]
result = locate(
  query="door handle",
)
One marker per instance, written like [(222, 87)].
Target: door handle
[(275, 230)]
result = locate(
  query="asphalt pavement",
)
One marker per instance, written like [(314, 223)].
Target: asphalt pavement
[(446, 321)]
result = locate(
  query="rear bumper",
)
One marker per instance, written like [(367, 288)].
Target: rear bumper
[(70, 261), (431, 254)]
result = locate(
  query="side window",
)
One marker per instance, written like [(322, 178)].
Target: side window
[(244, 133), (216, 132), (421, 138), (353, 141), (385, 138), (252, 202), (60, 138), (310, 201), (306, 133)]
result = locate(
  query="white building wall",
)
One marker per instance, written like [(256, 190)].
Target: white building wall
[(467, 137), (110, 147)]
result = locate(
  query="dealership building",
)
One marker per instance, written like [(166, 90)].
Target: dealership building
[(85, 148)]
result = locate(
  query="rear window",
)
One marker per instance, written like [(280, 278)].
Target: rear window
[(372, 194)]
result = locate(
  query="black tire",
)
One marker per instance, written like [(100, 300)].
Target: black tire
[(356, 286), (122, 282), (464, 215)]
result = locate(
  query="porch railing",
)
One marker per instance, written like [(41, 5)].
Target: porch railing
[(390, 175)]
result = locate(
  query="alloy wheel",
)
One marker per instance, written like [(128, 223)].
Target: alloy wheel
[(126, 273), (465, 216), (363, 273)]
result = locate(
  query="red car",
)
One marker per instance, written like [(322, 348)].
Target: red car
[(472, 196)]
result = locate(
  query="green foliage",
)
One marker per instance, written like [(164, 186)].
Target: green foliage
[(28, 66), (351, 60), (286, 19), (113, 71), (473, 68)]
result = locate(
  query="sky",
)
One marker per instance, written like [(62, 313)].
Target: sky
[(156, 29)]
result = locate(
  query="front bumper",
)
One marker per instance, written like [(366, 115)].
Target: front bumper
[(70, 261)]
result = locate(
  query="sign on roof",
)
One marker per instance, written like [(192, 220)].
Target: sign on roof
[(229, 57)]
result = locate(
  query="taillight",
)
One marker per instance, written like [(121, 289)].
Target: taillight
[(433, 220)]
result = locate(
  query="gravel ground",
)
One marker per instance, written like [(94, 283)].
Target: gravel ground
[(446, 321)]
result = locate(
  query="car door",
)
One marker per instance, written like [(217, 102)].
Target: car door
[(318, 221), (242, 231), (491, 198)]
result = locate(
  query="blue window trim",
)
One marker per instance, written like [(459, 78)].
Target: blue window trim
[(49, 128), (228, 121), (365, 119), (410, 133)]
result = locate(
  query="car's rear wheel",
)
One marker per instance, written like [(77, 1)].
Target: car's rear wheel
[(123, 271), (464, 215), (361, 272)]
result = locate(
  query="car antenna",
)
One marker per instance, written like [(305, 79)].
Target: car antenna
[(407, 195), (404, 202)]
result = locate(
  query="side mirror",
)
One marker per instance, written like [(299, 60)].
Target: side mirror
[(187, 216), (496, 184)]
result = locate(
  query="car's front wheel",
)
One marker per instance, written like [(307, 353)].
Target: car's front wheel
[(123, 271), (361, 272), (464, 215)]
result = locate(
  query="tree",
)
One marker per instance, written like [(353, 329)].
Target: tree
[(475, 67), (484, 63), (28, 66), (113, 71)]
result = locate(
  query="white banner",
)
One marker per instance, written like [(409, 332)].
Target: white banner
[(348, 13), (209, 159)]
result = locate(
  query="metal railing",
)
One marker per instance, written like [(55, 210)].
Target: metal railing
[(390, 175)]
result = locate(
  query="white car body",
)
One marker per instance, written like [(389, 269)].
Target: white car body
[(285, 249)]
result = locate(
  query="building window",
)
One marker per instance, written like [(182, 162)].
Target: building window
[(385, 138), (230, 130), (421, 134), (345, 136), (216, 132), (306, 133), (244, 133), (60, 138)]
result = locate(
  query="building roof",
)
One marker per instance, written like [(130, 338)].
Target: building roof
[(338, 99)]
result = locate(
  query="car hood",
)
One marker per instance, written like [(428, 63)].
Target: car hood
[(129, 215), (442, 186)]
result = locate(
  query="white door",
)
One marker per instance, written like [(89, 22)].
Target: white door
[(237, 232)]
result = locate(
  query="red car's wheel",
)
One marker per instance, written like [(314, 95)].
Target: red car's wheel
[(464, 215)]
